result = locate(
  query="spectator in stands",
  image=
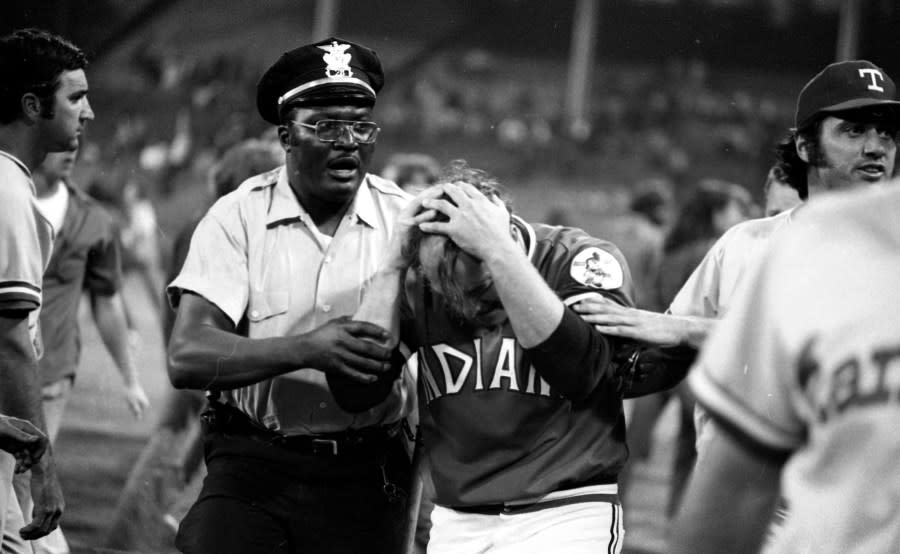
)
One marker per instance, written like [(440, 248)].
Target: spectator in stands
[(654, 199)]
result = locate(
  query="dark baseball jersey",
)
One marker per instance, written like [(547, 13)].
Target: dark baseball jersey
[(494, 430)]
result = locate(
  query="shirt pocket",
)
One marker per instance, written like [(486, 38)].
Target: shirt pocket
[(270, 289), (267, 303)]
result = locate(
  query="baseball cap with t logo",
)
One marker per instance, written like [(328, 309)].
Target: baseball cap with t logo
[(845, 86)]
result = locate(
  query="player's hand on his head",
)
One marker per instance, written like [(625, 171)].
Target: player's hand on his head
[(137, 400), (23, 440), (352, 349), (476, 223), (409, 218)]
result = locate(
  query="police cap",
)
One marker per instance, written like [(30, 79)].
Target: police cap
[(332, 71)]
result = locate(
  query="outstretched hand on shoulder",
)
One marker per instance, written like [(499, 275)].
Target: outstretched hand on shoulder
[(610, 318)]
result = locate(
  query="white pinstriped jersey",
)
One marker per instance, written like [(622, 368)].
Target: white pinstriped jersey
[(807, 361)]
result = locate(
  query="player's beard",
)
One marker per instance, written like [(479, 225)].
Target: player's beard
[(472, 312)]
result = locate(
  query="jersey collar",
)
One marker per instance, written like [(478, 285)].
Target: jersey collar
[(526, 231), (22, 166)]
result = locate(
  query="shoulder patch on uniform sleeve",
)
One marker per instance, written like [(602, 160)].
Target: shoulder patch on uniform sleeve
[(597, 268)]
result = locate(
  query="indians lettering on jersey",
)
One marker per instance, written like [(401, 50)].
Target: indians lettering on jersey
[(857, 381), (463, 368)]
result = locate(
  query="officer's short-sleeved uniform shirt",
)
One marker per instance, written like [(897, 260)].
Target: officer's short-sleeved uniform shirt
[(258, 256), (807, 362), (26, 241), (85, 258)]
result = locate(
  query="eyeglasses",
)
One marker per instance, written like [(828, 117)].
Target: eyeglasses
[(331, 130)]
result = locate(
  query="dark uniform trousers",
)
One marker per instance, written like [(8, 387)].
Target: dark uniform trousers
[(334, 494)]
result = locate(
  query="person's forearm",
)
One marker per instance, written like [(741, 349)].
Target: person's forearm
[(381, 303), (574, 359), (568, 353), (20, 392), (112, 324), (206, 358), (153, 283), (694, 329), (533, 309), (45, 465)]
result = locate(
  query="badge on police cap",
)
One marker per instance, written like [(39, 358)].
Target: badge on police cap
[(597, 268), (337, 60)]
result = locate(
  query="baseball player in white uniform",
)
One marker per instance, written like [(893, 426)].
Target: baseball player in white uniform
[(803, 374)]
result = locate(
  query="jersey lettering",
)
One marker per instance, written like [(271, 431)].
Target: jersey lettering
[(457, 371), (855, 382), (506, 365), (432, 391), (532, 377), (452, 385)]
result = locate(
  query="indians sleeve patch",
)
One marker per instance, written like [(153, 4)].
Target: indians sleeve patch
[(597, 268)]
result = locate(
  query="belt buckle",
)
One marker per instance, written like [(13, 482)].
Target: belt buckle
[(324, 445)]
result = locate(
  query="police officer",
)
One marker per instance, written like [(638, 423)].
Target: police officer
[(274, 271)]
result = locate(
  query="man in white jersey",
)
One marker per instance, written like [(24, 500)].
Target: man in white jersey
[(804, 373), (43, 108), (844, 137)]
